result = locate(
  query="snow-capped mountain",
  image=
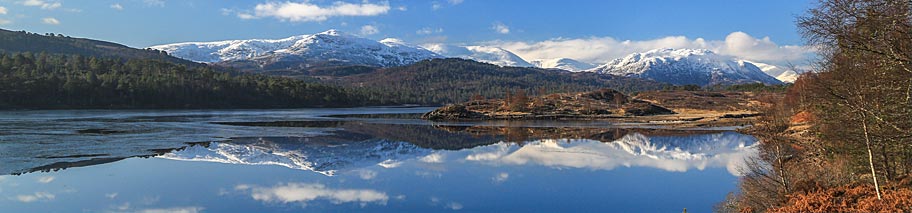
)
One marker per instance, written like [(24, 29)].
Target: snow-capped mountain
[(329, 46), (486, 54), (783, 74), (562, 63), (686, 66)]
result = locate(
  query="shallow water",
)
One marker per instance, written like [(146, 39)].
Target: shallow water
[(320, 160)]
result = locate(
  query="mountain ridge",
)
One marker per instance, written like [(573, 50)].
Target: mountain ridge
[(301, 51), (686, 66)]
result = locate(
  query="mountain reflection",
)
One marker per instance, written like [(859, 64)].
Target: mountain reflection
[(328, 146), (588, 148), (678, 153)]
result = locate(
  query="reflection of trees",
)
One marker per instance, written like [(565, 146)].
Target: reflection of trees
[(95, 159), (456, 137)]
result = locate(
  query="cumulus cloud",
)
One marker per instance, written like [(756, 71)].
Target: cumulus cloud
[(369, 30), (308, 12), (455, 2), (604, 49), (402, 8), (116, 6), (43, 4), (51, 21), (500, 28), (428, 31), (305, 192), (3, 11)]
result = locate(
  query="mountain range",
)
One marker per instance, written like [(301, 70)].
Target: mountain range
[(334, 48), (302, 52), (686, 66)]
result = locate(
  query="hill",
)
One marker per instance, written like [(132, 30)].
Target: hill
[(21, 41), (440, 81)]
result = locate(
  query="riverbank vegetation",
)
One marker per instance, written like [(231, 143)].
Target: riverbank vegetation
[(841, 138)]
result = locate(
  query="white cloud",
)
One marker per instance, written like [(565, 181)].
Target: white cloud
[(307, 12), (305, 192), (246, 16), (500, 28), (156, 3), (189, 209), (51, 21), (5, 22), (604, 49), (43, 4), (436, 5), (402, 8), (369, 30), (3, 11), (46, 179), (116, 6), (428, 31), (111, 195), (35, 197)]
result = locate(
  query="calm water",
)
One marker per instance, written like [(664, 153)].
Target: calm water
[(354, 160)]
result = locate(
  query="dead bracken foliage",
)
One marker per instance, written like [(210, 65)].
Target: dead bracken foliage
[(850, 199)]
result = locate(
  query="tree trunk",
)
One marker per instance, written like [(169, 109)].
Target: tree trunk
[(782, 177), (864, 124)]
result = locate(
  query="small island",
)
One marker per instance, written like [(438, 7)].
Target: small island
[(667, 108)]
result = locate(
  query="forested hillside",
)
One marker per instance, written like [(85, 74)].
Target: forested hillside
[(44, 80), (56, 71), (21, 41), (439, 81)]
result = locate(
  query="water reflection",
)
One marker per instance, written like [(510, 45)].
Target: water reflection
[(303, 192), (726, 150), (347, 150), (279, 161)]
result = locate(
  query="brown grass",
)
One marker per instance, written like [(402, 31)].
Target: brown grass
[(850, 199)]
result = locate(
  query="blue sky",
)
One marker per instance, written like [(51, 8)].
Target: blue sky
[(142, 23)]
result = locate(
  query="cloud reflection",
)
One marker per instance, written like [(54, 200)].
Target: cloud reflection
[(35, 197), (46, 179), (306, 192)]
